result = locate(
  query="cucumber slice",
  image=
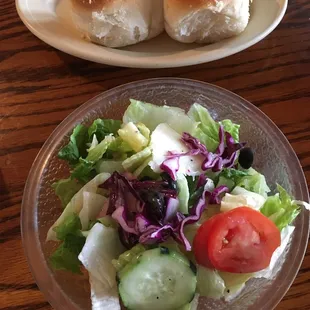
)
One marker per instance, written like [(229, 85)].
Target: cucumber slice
[(158, 279)]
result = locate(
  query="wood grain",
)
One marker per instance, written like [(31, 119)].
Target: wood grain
[(40, 86)]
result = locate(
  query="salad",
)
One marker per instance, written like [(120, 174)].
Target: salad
[(164, 207)]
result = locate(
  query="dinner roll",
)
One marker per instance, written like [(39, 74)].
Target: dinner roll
[(205, 21), (117, 23)]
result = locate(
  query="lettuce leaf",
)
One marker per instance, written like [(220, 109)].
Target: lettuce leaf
[(208, 129), (65, 189), (127, 257), (132, 135), (85, 170), (152, 115), (109, 166), (133, 162), (280, 208), (254, 182), (72, 225), (66, 255), (103, 127), (76, 147), (209, 283), (76, 204), (101, 247)]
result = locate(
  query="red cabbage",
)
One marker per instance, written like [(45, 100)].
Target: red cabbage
[(224, 156), (215, 196), (171, 166), (137, 224), (171, 209), (120, 216)]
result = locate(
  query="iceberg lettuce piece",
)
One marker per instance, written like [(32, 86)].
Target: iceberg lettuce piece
[(209, 283), (208, 129), (152, 115), (241, 197), (163, 140), (101, 247), (280, 208), (183, 193), (93, 204), (254, 182)]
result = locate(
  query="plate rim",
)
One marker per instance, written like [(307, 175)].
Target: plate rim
[(36, 170), (136, 62)]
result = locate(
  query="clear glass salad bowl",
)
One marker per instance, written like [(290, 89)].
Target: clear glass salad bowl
[(274, 158)]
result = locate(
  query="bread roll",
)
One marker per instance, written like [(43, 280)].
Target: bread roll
[(205, 21), (117, 23)]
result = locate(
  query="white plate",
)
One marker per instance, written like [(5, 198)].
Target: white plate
[(50, 20)]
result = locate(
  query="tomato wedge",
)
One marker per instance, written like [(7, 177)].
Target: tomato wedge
[(239, 241)]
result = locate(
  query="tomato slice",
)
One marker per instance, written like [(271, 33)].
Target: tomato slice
[(239, 241)]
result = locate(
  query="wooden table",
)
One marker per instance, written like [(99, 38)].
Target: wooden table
[(40, 86)]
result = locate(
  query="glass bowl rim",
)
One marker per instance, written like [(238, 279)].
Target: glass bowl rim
[(28, 206)]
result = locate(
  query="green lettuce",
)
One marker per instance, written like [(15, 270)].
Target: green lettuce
[(76, 147), (65, 189), (208, 129), (132, 135), (133, 162), (183, 193), (194, 193), (103, 127), (109, 166), (152, 115), (254, 182), (280, 208), (230, 177), (127, 257), (85, 170), (66, 255)]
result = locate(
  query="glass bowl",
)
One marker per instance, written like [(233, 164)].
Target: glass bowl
[(274, 158)]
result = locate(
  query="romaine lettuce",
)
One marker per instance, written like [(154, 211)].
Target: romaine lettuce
[(66, 255), (65, 189), (84, 171), (76, 147), (109, 166), (103, 127)]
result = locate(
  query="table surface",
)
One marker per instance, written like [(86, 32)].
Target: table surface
[(40, 86)]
